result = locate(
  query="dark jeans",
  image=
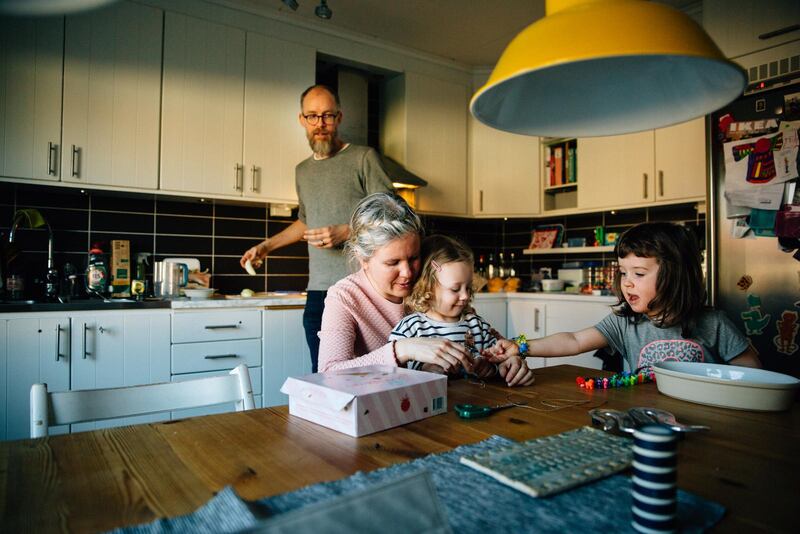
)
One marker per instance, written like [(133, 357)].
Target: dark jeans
[(312, 323)]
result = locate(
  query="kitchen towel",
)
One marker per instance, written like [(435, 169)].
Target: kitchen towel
[(474, 502)]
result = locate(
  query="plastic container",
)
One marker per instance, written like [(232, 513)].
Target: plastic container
[(96, 271)]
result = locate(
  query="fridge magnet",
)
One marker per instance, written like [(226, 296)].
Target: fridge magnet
[(754, 320), (787, 332), (745, 282)]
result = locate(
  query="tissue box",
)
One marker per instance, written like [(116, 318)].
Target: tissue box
[(364, 400)]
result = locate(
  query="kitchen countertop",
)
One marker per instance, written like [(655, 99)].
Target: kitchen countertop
[(550, 295), (265, 301)]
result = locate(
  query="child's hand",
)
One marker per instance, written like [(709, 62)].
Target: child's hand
[(447, 354), (500, 351), (515, 372), (483, 368)]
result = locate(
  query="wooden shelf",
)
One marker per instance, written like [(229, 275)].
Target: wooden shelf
[(561, 187), (568, 250)]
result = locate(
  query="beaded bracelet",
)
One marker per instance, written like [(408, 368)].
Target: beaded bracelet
[(522, 343), (616, 381)]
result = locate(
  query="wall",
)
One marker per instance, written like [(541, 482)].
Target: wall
[(218, 233)]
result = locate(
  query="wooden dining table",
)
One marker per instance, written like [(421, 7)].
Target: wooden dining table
[(95, 481)]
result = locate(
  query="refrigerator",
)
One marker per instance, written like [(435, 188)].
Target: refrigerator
[(754, 274)]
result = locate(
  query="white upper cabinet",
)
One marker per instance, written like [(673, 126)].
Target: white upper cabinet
[(274, 142), (680, 170), (31, 67), (425, 128), (224, 132), (663, 165), (740, 27), (505, 172), (112, 96), (202, 109)]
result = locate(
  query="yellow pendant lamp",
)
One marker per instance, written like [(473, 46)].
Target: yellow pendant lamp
[(606, 67)]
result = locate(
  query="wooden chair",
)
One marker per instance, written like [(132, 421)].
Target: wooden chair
[(67, 407)]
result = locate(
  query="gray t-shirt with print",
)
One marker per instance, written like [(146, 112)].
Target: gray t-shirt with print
[(328, 190), (715, 339)]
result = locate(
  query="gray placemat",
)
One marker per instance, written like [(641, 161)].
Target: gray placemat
[(474, 502)]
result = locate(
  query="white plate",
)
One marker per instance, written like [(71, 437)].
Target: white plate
[(199, 293), (728, 386)]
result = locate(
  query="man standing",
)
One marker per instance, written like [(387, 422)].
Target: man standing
[(329, 185)]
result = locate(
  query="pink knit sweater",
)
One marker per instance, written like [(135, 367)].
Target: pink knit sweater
[(356, 325)]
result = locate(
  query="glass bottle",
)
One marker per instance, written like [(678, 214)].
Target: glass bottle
[(502, 271), (481, 270), (491, 268), (512, 272)]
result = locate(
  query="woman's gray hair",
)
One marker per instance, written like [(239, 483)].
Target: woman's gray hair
[(377, 220)]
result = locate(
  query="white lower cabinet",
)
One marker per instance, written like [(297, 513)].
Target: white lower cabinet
[(539, 315), (212, 342), (493, 311), (78, 351), (285, 351)]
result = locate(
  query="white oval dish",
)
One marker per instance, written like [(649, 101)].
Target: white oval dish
[(199, 293), (727, 386)]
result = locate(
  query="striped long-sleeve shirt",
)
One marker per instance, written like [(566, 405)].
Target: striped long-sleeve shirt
[(420, 325)]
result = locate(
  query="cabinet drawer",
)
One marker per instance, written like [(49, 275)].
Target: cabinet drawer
[(214, 356), (216, 326)]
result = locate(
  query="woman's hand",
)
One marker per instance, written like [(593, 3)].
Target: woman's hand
[(442, 352), (501, 351), (515, 372), (327, 236)]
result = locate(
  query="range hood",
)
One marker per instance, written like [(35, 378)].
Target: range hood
[(401, 177)]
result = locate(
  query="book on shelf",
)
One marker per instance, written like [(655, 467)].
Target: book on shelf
[(571, 163), (559, 167)]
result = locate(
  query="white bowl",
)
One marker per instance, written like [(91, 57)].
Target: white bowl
[(728, 386), (552, 285), (199, 293)]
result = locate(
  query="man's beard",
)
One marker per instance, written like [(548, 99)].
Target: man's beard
[(323, 147)]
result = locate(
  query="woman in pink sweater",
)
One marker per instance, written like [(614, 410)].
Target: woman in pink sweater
[(362, 309)]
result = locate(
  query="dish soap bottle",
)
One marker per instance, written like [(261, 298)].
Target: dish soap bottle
[(96, 271)]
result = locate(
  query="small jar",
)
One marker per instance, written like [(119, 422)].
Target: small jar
[(15, 286)]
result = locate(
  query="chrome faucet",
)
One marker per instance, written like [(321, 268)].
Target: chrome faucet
[(51, 277)]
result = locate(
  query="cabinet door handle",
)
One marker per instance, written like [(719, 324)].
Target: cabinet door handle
[(255, 185), (781, 31), (660, 183), (85, 352), (76, 161), (238, 177), (644, 185), (219, 326), (58, 342), (220, 356), (52, 155), (536, 320), (481, 201)]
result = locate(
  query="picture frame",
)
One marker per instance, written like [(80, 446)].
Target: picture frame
[(547, 236)]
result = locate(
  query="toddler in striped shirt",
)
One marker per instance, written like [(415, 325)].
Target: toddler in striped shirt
[(440, 305)]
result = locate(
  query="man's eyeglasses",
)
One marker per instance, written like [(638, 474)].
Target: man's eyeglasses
[(327, 118)]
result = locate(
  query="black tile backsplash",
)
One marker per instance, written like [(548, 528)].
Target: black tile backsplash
[(218, 233)]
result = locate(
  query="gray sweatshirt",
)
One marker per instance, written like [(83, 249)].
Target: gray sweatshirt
[(329, 190)]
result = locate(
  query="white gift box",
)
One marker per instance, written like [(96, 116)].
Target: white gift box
[(364, 400)]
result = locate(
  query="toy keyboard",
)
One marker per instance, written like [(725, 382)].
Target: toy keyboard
[(551, 464)]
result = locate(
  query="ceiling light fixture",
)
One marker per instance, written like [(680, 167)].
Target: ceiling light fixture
[(323, 11), (592, 68), (291, 4)]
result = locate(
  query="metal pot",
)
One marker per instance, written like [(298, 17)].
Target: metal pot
[(169, 278)]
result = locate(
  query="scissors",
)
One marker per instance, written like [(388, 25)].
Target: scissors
[(474, 411)]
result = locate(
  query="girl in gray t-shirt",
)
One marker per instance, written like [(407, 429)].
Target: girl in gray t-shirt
[(661, 312)]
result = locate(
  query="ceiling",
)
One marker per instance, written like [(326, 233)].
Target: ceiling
[(470, 32)]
